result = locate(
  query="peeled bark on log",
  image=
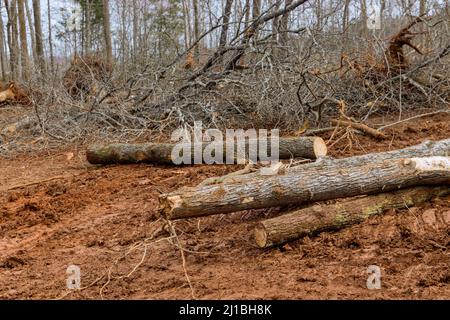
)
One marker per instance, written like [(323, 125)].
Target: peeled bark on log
[(318, 218), (425, 149), (306, 186), (161, 153)]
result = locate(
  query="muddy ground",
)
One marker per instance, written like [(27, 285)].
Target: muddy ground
[(57, 210)]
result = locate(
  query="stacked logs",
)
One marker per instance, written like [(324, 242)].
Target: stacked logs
[(369, 185)]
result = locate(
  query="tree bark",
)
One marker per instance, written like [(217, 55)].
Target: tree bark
[(50, 38), (308, 186), (196, 30), (25, 59), (2, 47), (38, 33), (224, 31), (11, 9), (318, 218), (425, 149), (422, 7), (275, 21), (284, 25), (32, 31), (161, 153), (255, 15), (107, 32)]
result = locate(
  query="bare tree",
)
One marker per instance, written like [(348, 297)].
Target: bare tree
[(225, 26), (196, 29), (255, 14), (422, 7), (2, 47), (32, 31), (23, 41), (284, 26), (50, 38), (107, 32), (38, 33), (11, 9)]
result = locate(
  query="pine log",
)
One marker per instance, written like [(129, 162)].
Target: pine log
[(161, 153), (318, 218), (425, 149), (306, 186)]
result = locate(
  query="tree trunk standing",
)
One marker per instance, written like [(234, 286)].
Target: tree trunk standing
[(423, 7), (123, 39), (309, 186), (13, 38), (135, 31), (225, 26), (187, 24), (2, 47), (323, 217), (32, 32), (196, 30), (25, 59), (38, 32), (247, 14), (255, 15), (284, 25), (275, 22), (107, 32), (345, 17), (364, 18), (88, 27), (319, 14), (383, 6), (50, 39)]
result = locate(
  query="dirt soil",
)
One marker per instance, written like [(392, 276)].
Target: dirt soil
[(57, 210)]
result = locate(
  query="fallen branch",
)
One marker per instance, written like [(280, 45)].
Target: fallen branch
[(361, 127), (229, 177), (318, 218)]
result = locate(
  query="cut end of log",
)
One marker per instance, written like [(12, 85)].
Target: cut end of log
[(168, 204), (430, 163), (92, 155), (261, 236), (320, 147)]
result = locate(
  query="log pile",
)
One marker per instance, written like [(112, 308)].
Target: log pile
[(365, 185)]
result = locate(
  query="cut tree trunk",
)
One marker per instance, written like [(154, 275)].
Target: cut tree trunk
[(161, 153), (425, 149), (318, 218), (307, 186)]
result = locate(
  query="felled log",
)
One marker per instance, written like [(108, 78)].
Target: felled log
[(318, 218), (306, 186), (360, 126), (161, 153), (425, 149)]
